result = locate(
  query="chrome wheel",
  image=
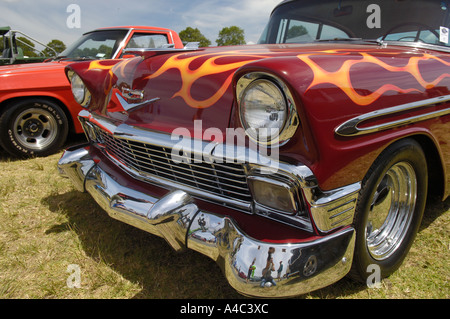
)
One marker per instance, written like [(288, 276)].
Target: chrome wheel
[(35, 128), (391, 211)]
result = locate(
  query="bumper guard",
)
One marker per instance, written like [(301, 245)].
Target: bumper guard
[(307, 265)]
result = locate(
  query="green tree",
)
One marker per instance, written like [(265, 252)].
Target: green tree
[(56, 45), (194, 35), (26, 46), (296, 31), (231, 36)]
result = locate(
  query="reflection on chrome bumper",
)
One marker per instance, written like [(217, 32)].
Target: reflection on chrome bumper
[(307, 265)]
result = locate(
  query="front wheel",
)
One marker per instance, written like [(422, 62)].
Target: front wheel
[(390, 209), (33, 127)]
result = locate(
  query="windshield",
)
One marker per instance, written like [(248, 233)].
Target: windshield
[(402, 21), (95, 45)]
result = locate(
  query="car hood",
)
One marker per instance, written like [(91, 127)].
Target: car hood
[(32, 67), (33, 76), (167, 90), (164, 91)]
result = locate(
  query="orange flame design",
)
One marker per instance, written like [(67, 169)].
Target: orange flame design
[(99, 65), (113, 68), (341, 77), (209, 67)]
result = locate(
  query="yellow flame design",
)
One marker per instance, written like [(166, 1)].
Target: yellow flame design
[(341, 77), (209, 67)]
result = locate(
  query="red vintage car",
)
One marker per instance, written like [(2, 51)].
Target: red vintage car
[(309, 156), (37, 107)]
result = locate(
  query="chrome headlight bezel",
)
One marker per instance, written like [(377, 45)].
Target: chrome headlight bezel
[(290, 121), (79, 90)]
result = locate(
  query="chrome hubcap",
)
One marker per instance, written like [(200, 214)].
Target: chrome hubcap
[(391, 211), (35, 128)]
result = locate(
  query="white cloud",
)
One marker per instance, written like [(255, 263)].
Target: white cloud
[(46, 19)]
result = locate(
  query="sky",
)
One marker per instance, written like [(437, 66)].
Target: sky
[(45, 20)]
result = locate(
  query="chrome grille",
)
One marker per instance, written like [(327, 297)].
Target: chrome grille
[(226, 180)]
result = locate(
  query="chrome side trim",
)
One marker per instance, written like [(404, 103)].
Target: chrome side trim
[(308, 265), (350, 127)]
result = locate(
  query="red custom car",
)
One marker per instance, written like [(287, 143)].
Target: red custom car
[(314, 149), (37, 107)]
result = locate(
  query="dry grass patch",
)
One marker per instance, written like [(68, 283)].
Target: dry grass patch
[(46, 225)]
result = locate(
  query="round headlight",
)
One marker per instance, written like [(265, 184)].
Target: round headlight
[(78, 89), (263, 110)]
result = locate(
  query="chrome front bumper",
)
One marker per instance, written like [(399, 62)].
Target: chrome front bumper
[(307, 265)]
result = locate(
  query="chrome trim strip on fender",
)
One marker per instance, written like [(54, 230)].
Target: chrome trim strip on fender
[(350, 127)]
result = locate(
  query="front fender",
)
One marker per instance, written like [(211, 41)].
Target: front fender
[(331, 87)]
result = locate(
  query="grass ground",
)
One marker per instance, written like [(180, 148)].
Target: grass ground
[(46, 227)]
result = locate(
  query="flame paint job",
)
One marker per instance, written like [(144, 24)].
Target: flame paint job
[(210, 66), (331, 83), (342, 79)]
